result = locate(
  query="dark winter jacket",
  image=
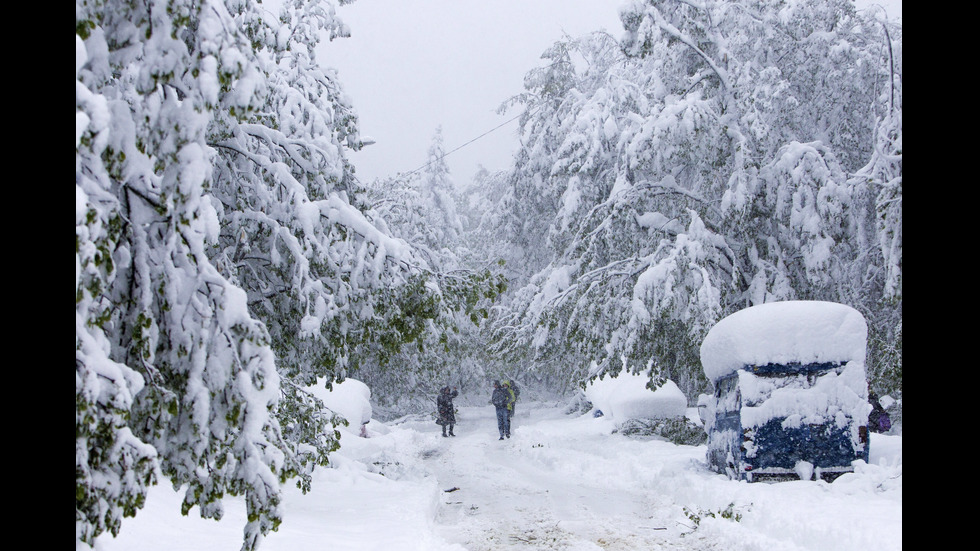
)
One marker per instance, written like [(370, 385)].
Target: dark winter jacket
[(447, 413), (500, 398), (878, 420)]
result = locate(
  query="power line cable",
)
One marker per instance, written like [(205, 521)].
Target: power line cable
[(444, 155)]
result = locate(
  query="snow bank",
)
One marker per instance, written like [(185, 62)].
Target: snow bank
[(784, 332), (351, 399), (627, 397)]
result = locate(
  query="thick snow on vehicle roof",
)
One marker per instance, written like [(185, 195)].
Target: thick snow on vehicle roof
[(784, 333)]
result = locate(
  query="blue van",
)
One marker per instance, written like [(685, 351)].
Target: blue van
[(790, 397)]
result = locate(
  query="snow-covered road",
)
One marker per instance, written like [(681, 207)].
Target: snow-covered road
[(516, 494), (568, 482), (562, 482)]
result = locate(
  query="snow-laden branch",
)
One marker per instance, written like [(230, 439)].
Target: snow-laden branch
[(673, 31)]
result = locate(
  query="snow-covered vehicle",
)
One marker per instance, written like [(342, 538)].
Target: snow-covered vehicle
[(790, 394)]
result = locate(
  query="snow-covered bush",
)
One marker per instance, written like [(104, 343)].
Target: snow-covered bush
[(351, 399), (679, 430), (627, 397)]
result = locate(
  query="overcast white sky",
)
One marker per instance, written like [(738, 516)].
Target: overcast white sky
[(411, 66)]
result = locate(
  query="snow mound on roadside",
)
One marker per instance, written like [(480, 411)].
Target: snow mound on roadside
[(793, 331), (350, 399), (627, 397)]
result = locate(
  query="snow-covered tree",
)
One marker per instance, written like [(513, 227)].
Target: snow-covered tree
[(225, 258), (421, 207), (702, 164), (164, 341), (439, 195), (455, 290), (881, 184)]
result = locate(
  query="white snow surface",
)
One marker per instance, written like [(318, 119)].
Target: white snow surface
[(350, 398), (562, 482), (627, 397), (784, 332)]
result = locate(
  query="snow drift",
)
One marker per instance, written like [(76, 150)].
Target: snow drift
[(351, 399), (627, 397)]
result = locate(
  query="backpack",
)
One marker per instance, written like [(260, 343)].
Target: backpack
[(884, 422)]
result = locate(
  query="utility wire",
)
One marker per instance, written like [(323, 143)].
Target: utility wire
[(444, 155)]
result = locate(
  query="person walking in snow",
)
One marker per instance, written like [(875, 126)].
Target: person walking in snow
[(447, 412), (500, 399)]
